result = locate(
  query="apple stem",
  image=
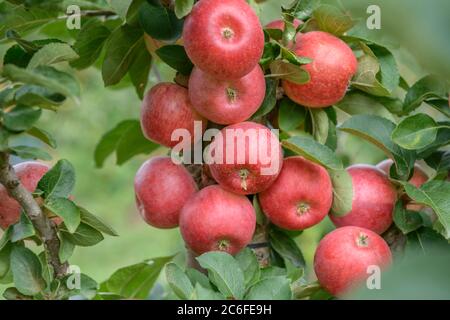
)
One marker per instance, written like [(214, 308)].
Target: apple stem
[(243, 174)]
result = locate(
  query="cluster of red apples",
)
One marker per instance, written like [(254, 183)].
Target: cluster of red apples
[(224, 39)]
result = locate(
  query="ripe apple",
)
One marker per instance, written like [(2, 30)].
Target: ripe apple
[(332, 67), (227, 102), (247, 158), (300, 197), (419, 176), (373, 201), (166, 107), (29, 174), (162, 188), (223, 38), (215, 219), (344, 257)]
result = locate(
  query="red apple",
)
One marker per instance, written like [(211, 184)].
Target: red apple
[(29, 173), (166, 107), (227, 102), (373, 202), (344, 256), (223, 38), (215, 219), (419, 176), (300, 197), (247, 158), (162, 188), (332, 67)]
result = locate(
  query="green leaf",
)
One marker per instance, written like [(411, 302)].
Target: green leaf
[(271, 272), (21, 118), (427, 87), (183, 8), (442, 139), (224, 272), (275, 288), (196, 276), (314, 151), (88, 287), (135, 281), (178, 281), (65, 209), (122, 48), (271, 52), (288, 71), (140, 70), (84, 235), (6, 237), (52, 53), (441, 105), (7, 97), (378, 130), (270, 99), (292, 57), (18, 56), (366, 78), (389, 75), (27, 271), (176, 57), (160, 22), (290, 115), (320, 124), (342, 192), (302, 9), (121, 7), (47, 269), (415, 132), (45, 76), (26, 152), (357, 102), (66, 248), (23, 19), (439, 161), (32, 95), (43, 136), (59, 181), (14, 294), (261, 219), (286, 247), (96, 223), (435, 195), (407, 221), (425, 241), (249, 265), (332, 20), (126, 139), (202, 293), (23, 229), (5, 258), (89, 43)]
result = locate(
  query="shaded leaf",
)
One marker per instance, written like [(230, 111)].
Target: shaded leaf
[(27, 271), (274, 288), (65, 209), (176, 57), (59, 181), (178, 281)]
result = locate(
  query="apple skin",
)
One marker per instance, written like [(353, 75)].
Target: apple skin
[(166, 107), (419, 176), (343, 256), (162, 188), (227, 102), (300, 197), (215, 219), (244, 177), (330, 73), (29, 174), (373, 202), (223, 38)]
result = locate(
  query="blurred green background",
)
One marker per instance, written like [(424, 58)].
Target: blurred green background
[(417, 30)]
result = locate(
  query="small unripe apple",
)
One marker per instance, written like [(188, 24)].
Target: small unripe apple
[(419, 176), (223, 38), (165, 108), (247, 158), (373, 201), (29, 174), (345, 256), (162, 188), (215, 219), (300, 197), (227, 102), (333, 65)]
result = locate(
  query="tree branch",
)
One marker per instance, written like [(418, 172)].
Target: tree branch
[(46, 229)]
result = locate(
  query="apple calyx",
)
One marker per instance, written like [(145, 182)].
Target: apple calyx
[(362, 240), (303, 207), (223, 245), (231, 94), (227, 33), (243, 174)]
